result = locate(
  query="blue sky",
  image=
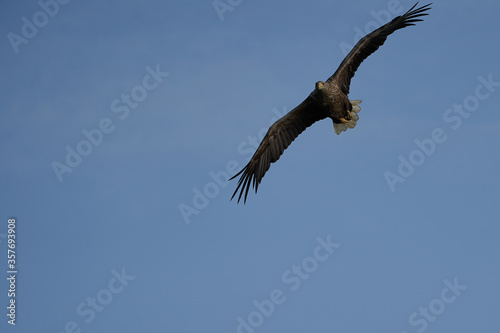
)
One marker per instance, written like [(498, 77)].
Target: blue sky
[(121, 121)]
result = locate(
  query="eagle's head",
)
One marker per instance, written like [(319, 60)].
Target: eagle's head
[(320, 85)]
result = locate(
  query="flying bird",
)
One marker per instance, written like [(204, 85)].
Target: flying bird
[(327, 100)]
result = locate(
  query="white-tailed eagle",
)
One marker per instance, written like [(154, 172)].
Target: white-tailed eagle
[(328, 100)]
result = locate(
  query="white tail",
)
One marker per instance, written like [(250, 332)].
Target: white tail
[(339, 128)]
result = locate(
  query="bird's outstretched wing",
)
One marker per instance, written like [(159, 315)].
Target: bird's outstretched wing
[(370, 43), (279, 136)]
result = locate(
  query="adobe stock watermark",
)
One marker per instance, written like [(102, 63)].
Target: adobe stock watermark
[(381, 17), (292, 279), (30, 27), (428, 314), (219, 180), (121, 107), (88, 310), (453, 117), (223, 6)]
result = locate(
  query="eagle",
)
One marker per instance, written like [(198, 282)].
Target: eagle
[(327, 100)]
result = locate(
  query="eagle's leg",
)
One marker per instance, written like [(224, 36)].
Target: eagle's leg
[(346, 118)]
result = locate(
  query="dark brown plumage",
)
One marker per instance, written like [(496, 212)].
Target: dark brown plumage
[(328, 99)]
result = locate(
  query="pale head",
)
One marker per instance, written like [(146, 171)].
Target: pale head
[(320, 85)]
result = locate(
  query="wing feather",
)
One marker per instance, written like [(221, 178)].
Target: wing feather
[(279, 136), (370, 43)]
